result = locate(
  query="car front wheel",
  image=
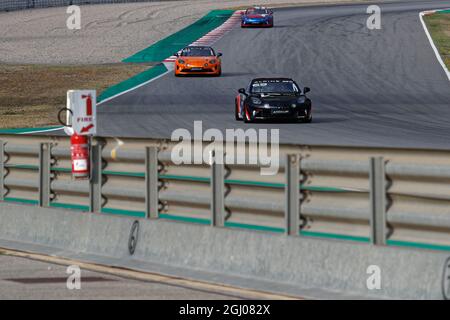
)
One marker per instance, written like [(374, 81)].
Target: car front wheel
[(247, 115), (237, 116), (309, 119)]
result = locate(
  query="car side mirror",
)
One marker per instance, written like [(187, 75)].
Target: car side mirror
[(242, 90), (219, 54), (306, 89)]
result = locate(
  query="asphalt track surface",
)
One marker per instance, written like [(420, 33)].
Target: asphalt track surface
[(36, 280), (369, 87)]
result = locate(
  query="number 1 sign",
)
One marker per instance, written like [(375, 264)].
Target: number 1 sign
[(83, 105)]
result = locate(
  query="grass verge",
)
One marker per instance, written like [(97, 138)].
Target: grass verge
[(438, 25), (31, 95)]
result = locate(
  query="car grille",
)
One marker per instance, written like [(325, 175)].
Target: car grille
[(202, 70), (272, 112)]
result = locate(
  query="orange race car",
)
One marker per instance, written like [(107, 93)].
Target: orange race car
[(198, 60)]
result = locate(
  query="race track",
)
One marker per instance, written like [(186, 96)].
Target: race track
[(369, 88)]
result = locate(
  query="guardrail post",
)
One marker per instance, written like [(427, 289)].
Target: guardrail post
[(292, 192), (44, 174), (2, 171), (95, 183), (151, 182), (378, 223), (218, 192)]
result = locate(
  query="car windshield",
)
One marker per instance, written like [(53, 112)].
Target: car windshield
[(274, 86), (197, 52), (256, 11)]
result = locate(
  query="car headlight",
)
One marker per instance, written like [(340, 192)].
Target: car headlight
[(180, 61), (301, 99), (212, 61), (256, 101)]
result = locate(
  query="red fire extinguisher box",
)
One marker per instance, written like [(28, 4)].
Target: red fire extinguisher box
[(80, 156)]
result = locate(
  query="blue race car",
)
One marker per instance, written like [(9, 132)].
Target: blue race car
[(257, 17)]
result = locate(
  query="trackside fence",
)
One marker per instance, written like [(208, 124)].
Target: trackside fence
[(381, 196), (11, 5)]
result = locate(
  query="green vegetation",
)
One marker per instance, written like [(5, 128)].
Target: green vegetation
[(31, 95), (438, 25)]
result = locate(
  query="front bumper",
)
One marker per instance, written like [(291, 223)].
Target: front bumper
[(185, 70), (256, 23), (287, 113)]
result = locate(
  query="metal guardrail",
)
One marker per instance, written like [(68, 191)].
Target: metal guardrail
[(382, 196)]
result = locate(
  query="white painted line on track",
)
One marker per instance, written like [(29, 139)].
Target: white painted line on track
[(430, 39), (134, 88), (41, 131)]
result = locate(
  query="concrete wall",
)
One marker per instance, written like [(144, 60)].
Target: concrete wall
[(271, 262)]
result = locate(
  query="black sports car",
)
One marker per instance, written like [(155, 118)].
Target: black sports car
[(273, 98)]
